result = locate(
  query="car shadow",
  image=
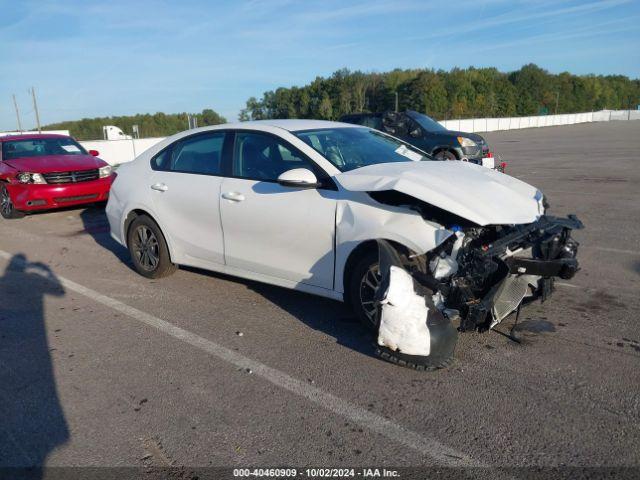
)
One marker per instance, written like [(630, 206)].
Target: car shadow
[(330, 317), (95, 223), (327, 316), (33, 421)]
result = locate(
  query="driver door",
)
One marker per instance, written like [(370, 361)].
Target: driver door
[(274, 230)]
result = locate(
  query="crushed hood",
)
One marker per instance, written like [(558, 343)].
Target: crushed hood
[(476, 193)]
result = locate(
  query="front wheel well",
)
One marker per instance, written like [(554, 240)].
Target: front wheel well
[(364, 248), (437, 150)]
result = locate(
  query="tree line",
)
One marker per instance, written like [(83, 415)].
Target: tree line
[(458, 93), (149, 125)]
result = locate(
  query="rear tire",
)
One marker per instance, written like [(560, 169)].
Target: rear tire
[(148, 249), (7, 209)]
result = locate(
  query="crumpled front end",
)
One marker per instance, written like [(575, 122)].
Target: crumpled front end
[(477, 277), (483, 274)]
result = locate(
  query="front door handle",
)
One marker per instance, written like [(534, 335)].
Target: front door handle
[(160, 187), (233, 196)]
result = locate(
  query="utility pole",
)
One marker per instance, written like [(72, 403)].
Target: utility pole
[(396, 101), (15, 104), (557, 99), (35, 108)]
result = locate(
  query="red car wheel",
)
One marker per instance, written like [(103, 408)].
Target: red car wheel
[(7, 209)]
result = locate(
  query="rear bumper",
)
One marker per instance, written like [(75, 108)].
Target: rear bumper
[(30, 197)]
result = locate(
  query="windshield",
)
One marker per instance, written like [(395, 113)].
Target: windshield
[(428, 123), (40, 147), (351, 148)]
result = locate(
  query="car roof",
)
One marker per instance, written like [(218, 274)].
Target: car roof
[(296, 125), (290, 125), (363, 115), (31, 136)]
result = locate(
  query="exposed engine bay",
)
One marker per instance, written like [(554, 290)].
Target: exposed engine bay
[(481, 274)]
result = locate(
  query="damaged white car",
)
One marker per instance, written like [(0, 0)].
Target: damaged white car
[(348, 213)]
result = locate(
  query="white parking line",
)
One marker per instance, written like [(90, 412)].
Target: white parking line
[(614, 250), (570, 285), (442, 454)]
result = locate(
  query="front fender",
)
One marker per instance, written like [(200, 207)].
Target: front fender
[(363, 220)]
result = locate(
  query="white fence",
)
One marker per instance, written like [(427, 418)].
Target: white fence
[(121, 151), (514, 123)]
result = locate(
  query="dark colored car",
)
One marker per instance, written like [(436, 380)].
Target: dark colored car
[(46, 171), (428, 135)]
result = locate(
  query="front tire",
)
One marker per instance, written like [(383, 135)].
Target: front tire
[(445, 155), (148, 249), (363, 283), (7, 209)]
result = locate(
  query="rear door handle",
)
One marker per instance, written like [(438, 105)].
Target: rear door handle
[(233, 196), (160, 187)]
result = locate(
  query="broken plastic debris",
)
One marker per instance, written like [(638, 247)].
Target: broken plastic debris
[(403, 321), (443, 267)]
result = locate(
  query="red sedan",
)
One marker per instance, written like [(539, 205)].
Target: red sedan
[(44, 171)]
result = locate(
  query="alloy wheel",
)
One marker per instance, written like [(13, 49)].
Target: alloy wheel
[(5, 202), (368, 287), (146, 248)]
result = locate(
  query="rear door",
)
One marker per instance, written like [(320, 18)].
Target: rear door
[(186, 194), (274, 230)]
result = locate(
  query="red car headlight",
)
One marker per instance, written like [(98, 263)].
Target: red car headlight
[(25, 177), (105, 171)]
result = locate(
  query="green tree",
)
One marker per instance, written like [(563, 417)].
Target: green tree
[(325, 109), (157, 125), (458, 93)]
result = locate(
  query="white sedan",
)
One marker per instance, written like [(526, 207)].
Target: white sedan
[(304, 204)]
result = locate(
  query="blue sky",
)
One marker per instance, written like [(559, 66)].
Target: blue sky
[(110, 57)]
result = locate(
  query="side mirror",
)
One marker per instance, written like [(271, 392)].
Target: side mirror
[(94, 153), (415, 133), (298, 178)]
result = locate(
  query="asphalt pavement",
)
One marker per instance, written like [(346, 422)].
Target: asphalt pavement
[(102, 367)]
